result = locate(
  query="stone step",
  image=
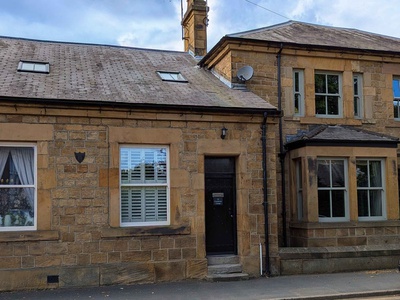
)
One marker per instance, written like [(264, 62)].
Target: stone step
[(228, 277), (222, 259), (224, 269)]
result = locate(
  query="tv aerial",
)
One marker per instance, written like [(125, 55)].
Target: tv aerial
[(245, 73)]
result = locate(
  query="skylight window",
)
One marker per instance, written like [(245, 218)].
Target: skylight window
[(35, 67), (171, 76)]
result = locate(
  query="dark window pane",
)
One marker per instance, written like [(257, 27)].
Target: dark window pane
[(297, 103), (324, 207), (338, 205), (356, 105), (337, 173), (396, 109), (320, 83), (362, 198), (296, 81), (320, 105), (355, 85), (333, 84), (324, 174), (375, 198), (362, 173), (333, 105)]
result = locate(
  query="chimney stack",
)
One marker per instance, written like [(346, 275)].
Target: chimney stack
[(194, 25)]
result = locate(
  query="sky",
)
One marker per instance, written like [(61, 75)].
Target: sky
[(155, 24)]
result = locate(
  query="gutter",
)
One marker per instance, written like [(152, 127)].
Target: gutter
[(265, 189), (96, 104)]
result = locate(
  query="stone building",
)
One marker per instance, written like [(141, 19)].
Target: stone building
[(125, 165), (337, 166)]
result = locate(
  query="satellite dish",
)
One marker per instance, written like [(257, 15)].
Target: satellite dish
[(245, 73)]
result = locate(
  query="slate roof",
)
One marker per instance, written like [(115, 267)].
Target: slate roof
[(318, 35), (112, 74), (339, 135)]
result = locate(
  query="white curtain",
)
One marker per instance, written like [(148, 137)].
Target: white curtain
[(3, 159), (23, 162)]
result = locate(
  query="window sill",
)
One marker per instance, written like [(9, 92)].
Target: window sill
[(145, 231), (351, 224), (24, 236)]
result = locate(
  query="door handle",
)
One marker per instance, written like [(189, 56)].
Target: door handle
[(230, 212)]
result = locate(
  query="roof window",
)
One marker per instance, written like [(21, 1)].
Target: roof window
[(171, 76), (35, 67)]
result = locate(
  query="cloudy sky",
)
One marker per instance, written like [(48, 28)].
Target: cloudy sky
[(156, 23)]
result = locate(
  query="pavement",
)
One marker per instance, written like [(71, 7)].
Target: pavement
[(360, 285)]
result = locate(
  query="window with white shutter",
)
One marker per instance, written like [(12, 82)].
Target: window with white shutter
[(144, 185)]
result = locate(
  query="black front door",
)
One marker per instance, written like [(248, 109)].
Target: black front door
[(220, 205)]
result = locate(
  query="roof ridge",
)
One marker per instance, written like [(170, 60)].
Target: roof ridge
[(88, 44)]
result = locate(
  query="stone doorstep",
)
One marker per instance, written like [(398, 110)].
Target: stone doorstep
[(228, 277), (225, 268), (222, 259)]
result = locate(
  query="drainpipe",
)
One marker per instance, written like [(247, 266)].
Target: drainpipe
[(265, 188), (282, 152)]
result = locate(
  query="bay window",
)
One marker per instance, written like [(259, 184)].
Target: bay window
[(17, 187), (144, 181)]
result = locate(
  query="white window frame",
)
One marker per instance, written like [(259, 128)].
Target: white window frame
[(144, 185), (330, 189), (34, 186), (369, 188), (34, 67), (326, 94), (358, 95), (396, 99), (298, 92), (171, 76)]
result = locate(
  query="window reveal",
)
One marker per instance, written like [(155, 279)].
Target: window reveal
[(144, 186), (17, 188)]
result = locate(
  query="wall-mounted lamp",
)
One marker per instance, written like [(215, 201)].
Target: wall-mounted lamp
[(223, 132)]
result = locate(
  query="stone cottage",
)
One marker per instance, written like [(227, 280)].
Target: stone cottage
[(126, 165)]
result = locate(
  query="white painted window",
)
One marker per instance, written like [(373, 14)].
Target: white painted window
[(396, 97), (370, 189), (298, 92), (35, 67), (358, 97), (18, 199), (171, 76), (328, 94), (144, 179), (332, 190)]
